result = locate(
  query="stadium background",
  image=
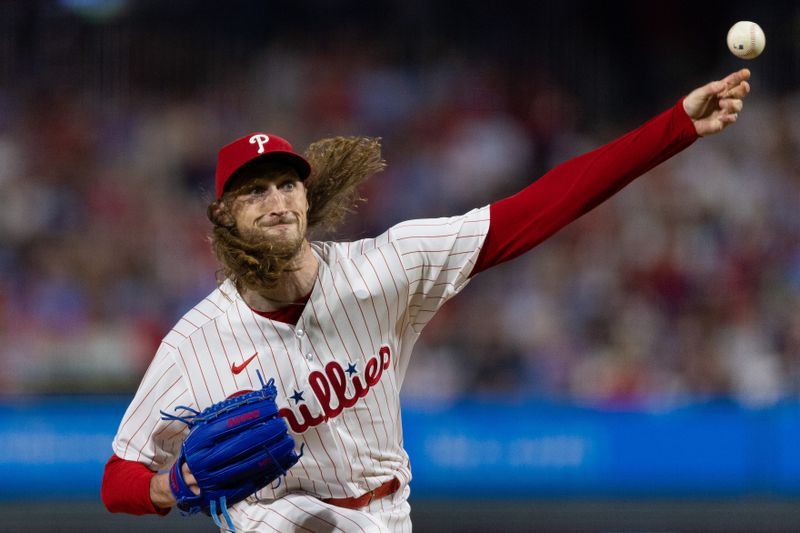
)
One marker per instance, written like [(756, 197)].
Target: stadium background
[(640, 371)]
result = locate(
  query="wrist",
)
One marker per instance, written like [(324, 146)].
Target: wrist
[(687, 122), (160, 493)]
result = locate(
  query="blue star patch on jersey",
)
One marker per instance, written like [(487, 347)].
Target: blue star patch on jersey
[(297, 397)]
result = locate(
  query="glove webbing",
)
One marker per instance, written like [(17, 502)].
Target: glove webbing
[(222, 407)]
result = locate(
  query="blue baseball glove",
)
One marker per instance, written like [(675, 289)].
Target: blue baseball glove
[(234, 448)]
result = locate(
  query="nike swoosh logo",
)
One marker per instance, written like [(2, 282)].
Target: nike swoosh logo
[(238, 368)]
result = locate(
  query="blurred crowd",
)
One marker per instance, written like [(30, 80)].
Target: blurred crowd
[(684, 286)]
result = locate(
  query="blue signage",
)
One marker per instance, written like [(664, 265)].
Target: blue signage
[(57, 447)]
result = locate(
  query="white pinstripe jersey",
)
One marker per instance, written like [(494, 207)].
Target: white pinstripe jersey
[(338, 371)]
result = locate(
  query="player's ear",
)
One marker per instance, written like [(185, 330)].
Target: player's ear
[(219, 214)]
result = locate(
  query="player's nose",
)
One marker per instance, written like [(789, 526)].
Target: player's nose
[(276, 203)]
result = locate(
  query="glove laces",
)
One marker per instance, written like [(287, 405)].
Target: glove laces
[(224, 511)]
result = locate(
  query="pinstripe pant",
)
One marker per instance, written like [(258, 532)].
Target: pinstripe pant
[(297, 512)]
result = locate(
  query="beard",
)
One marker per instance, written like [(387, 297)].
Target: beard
[(254, 259)]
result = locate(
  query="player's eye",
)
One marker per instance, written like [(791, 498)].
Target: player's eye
[(256, 190), (252, 193), (288, 186)]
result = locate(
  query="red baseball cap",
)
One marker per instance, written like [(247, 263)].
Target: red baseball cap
[(235, 155)]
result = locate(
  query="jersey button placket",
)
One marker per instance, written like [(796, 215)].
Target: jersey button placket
[(300, 333)]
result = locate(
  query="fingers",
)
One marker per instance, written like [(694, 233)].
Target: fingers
[(732, 86), (735, 85), (723, 120), (189, 479), (736, 78), (710, 126), (711, 89), (728, 118), (730, 99), (738, 91), (731, 105)]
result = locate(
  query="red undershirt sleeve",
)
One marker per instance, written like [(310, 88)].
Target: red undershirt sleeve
[(126, 488), (520, 222)]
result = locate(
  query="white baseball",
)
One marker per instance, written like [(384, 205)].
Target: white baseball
[(746, 39)]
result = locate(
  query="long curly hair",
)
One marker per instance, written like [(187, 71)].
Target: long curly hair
[(339, 165)]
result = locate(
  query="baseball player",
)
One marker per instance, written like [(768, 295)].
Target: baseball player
[(334, 323)]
